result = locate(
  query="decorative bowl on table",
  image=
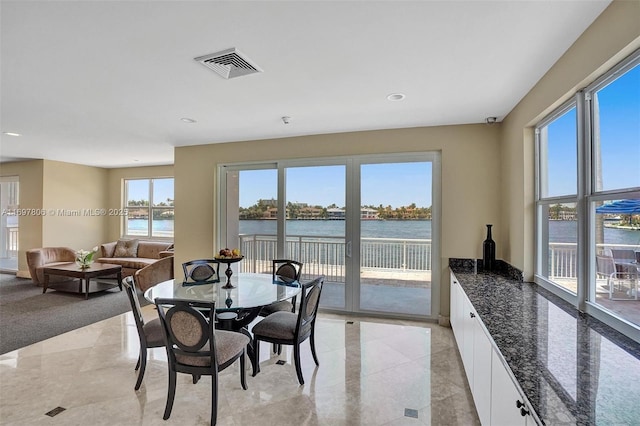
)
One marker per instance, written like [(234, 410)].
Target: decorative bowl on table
[(228, 256)]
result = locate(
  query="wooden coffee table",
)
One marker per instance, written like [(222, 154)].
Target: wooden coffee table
[(74, 271)]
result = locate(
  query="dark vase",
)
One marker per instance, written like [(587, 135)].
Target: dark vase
[(488, 251)]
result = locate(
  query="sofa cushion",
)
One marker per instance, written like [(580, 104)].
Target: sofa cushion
[(128, 262), (152, 249), (126, 248)]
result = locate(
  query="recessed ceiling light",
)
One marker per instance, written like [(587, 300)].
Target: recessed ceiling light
[(396, 96), (11, 134), (188, 120)]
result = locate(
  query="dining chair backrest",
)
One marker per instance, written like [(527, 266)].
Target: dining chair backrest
[(190, 338), (201, 271), (286, 268), (154, 273), (136, 310), (309, 302)]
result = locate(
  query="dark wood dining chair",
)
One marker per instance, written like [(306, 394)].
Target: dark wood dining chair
[(201, 271), (283, 269), (288, 328), (195, 347), (149, 333)]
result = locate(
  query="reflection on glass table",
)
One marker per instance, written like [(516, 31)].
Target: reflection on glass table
[(250, 291)]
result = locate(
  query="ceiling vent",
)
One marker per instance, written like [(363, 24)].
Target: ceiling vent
[(229, 63)]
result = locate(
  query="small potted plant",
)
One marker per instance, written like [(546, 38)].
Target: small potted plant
[(84, 258)]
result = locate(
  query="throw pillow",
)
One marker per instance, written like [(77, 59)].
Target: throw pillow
[(126, 248)]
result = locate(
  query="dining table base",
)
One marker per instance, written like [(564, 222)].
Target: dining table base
[(238, 320)]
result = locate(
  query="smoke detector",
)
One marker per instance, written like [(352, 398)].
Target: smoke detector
[(229, 63)]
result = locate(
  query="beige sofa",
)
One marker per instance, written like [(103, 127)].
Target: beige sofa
[(147, 253), (38, 258)]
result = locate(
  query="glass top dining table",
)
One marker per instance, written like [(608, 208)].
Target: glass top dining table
[(250, 291)]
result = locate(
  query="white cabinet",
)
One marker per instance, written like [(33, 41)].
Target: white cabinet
[(455, 316), (467, 320), (474, 347), (507, 407), (497, 399), (481, 390)]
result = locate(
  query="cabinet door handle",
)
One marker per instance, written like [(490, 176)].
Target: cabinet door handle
[(521, 406), (472, 315)]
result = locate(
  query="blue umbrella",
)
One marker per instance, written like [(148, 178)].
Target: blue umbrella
[(631, 206)]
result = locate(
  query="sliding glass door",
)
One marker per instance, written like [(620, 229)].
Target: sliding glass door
[(395, 237), (316, 227), (366, 223)]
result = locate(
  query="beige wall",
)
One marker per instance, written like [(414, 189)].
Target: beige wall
[(73, 194), (30, 175), (67, 192), (470, 182), (614, 35), (115, 190)]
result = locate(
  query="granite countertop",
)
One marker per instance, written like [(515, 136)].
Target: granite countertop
[(573, 369)]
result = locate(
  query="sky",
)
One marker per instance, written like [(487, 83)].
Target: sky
[(394, 184), (138, 189), (619, 106)]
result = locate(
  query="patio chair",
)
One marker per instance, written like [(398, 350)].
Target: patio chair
[(617, 280), (625, 255)]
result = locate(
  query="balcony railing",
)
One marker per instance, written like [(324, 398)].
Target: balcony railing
[(563, 257), (326, 255)]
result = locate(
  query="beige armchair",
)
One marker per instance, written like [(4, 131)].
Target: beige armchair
[(38, 258), (155, 273)]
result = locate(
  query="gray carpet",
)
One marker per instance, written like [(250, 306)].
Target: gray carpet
[(28, 316)]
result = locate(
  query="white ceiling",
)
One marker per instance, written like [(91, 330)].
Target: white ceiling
[(106, 83)]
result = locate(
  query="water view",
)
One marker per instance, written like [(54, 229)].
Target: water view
[(560, 231)]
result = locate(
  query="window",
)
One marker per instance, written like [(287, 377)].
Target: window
[(588, 198), (557, 188), (149, 204)]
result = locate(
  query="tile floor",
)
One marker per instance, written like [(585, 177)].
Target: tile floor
[(372, 372)]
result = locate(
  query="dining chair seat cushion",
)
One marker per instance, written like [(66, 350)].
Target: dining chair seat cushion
[(283, 305), (153, 332), (228, 345), (278, 325)]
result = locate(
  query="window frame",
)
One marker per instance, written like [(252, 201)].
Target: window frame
[(585, 199), (150, 208)]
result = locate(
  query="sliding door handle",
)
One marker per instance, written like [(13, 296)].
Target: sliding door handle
[(348, 249)]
